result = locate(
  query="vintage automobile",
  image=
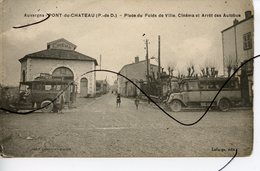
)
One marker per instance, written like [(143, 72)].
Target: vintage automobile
[(200, 92), (48, 95)]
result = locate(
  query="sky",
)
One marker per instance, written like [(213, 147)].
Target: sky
[(184, 40)]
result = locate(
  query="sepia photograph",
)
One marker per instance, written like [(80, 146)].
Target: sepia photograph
[(132, 78)]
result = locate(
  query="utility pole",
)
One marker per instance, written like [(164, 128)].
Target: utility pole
[(147, 58), (147, 67), (159, 65)]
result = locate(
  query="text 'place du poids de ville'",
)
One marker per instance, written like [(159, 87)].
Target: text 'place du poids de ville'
[(148, 15)]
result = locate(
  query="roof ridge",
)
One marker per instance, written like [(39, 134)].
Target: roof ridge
[(75, 55), (136, 63)]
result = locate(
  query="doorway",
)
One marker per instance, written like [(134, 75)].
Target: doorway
[(83, 87)]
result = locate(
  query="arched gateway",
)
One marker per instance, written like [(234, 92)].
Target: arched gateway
[(63, 73)]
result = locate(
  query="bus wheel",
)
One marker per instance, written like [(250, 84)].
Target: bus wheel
[(175, 106), (224, 105), (47, 106)]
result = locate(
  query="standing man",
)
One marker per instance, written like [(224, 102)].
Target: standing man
[(118, 100), (137, 102)]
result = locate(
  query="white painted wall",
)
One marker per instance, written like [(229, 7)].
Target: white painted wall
[(34, 67), (228, 37)]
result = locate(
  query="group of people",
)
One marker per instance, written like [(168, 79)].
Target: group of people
[(118, 101)]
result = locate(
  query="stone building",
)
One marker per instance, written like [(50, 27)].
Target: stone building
[(136, 72), (238, 46), (61, 61)]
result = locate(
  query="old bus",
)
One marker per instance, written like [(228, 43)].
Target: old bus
[(201, 91), (46, 94)]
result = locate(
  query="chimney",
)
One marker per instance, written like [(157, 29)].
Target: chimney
[(235, 21), (248, 14), (136, 59)]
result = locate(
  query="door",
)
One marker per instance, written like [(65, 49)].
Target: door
[(83, 87)]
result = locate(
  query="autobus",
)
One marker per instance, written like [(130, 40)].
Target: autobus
[(47, 94), (201, 91)]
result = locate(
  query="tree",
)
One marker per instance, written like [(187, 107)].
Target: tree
[(230, 65), (190, 69), (208, 71)]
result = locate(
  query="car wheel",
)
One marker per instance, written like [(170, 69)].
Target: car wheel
[(47, 106), (175, 106), (224, 105)]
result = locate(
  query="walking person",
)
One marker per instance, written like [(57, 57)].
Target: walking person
[(118, 100), (61, 105), (137, 102)]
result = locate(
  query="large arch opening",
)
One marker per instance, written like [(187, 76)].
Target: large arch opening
[(63, 73)]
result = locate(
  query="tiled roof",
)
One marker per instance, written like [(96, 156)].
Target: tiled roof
[(129, 65), (59, 54)]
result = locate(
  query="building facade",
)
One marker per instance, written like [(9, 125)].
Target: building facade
[(238, 46), (136, 72), (61, 61)]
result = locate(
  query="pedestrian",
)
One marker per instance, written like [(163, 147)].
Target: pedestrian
[(5, 98), (61, 105), (118, 100), (137, 102)]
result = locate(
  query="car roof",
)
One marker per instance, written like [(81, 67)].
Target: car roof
[(47, 81), (211, 79)]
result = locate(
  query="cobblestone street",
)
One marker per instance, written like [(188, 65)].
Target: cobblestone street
[(96, 128)]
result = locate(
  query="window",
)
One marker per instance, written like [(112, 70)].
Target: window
[(247, 39), (56, 87), (47, 87), (184, 86), (203, 85), (193, 86), (63, 73), (232, 85), (37, 86)]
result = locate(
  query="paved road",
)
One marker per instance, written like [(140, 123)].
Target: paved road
[(96, 128)]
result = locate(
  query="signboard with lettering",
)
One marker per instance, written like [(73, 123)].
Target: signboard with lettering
[(61, 44)]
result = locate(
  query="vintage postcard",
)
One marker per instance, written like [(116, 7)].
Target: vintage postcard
[(132, 78)]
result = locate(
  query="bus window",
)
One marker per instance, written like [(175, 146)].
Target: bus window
[(184, 86), (56, 87), (174, 85), (193, 85), (233, 84), (37, 86), (218, 85), (212, 85), (203, 85), (47, 87)]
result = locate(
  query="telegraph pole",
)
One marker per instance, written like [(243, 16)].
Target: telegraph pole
[(147, 67), (159, 65), (147, 59)]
